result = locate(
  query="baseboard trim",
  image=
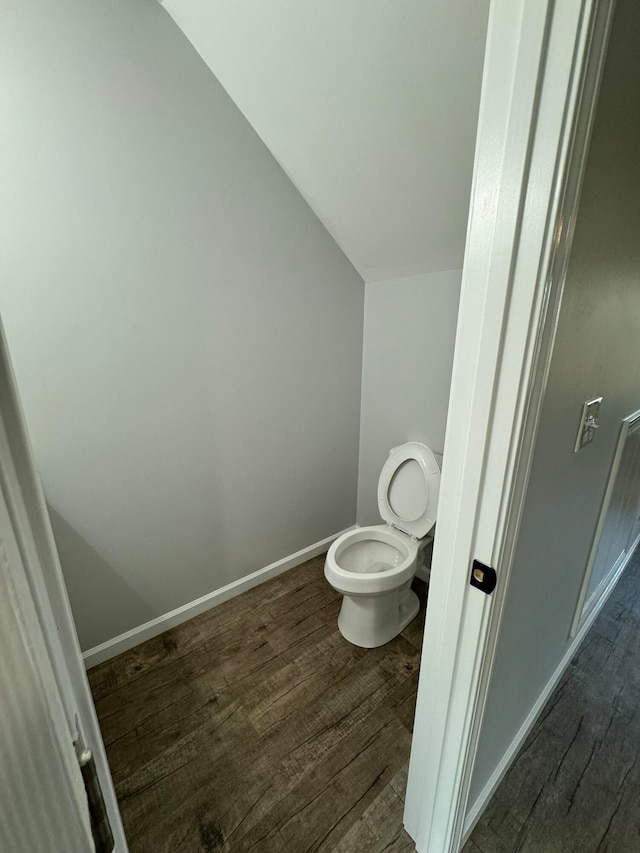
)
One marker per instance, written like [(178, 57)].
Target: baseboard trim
[(609, 581), (474, 813), (124, 642)]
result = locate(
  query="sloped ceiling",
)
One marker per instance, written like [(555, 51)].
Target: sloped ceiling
[(370, 106)]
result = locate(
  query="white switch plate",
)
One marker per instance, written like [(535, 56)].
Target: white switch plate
[(589, 423)]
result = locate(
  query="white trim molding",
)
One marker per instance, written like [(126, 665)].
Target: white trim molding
[(124, 642), (585, 605), (533, 128), (25, 500)]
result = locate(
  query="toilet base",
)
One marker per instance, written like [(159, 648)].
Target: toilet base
[(370, 621)]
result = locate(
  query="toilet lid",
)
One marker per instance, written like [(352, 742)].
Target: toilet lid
[(408, 489)]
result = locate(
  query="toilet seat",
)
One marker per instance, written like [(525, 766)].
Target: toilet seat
[(408, 489), (349, 581)]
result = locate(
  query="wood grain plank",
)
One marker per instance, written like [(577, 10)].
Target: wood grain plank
[(311, 814), (163, 790), (380, 828), (256, 726), (401, 700)]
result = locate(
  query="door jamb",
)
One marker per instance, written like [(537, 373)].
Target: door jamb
[(536, 113)]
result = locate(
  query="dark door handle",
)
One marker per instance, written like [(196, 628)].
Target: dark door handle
[(100, 826)]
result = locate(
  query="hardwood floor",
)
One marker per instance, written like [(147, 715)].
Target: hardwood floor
[(256, 726), (575, 785)]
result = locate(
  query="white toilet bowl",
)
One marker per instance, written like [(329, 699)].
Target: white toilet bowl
[(372, 567)]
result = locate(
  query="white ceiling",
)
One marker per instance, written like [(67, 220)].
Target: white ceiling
[(370, 106)]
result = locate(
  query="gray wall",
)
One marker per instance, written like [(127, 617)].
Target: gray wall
[(597, 352), (409, 335), (187, 337), (371, 107)]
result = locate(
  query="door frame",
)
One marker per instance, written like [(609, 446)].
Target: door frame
[(26, 505), (39, 772), (543, 65)]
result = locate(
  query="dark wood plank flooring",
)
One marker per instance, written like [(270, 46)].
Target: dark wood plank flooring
[(256, 726), (575, 785)]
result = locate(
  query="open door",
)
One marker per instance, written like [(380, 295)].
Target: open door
[(39, 774), (542, 68), (55, 784)]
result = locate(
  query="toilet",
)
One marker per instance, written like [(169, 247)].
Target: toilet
[(372, 567)]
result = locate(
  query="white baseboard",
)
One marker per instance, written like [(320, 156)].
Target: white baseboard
[(608, 582), (123, 642), (475, 811)]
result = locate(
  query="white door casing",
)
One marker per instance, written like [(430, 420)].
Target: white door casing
[(43, 800), (58, 651), (541, 75)]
